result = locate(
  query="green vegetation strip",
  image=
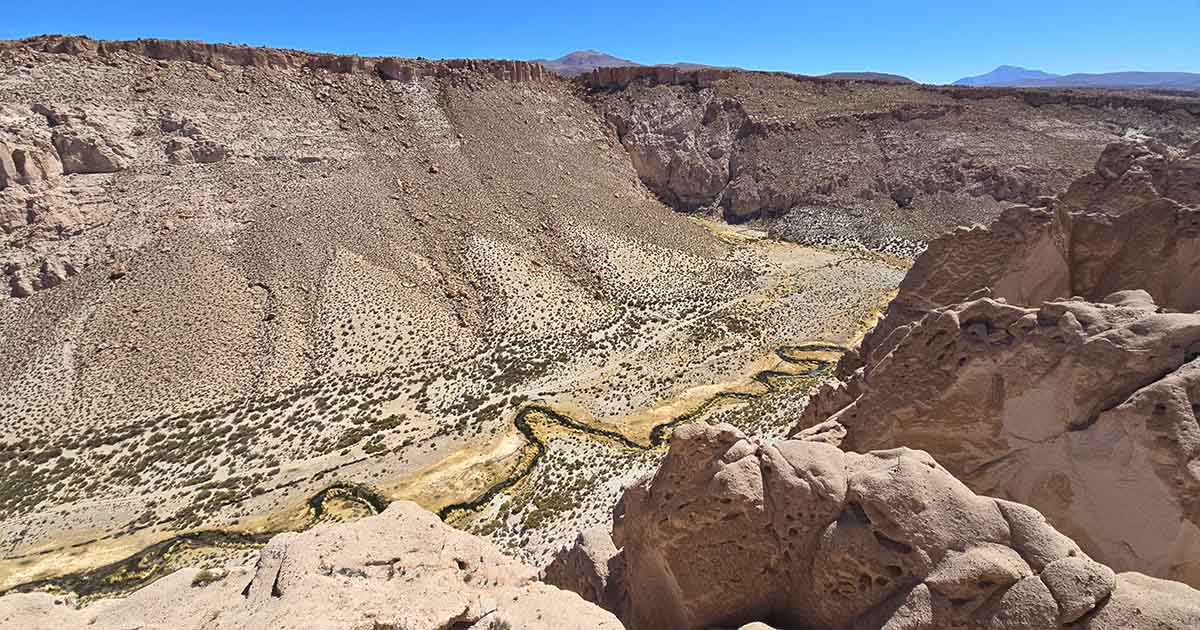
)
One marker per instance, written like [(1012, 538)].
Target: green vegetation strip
[(154, 562), (659, 435)]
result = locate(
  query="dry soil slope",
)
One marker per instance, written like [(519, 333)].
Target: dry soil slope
[(344, 233)]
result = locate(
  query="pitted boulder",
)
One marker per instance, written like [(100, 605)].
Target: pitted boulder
[(799, 534)]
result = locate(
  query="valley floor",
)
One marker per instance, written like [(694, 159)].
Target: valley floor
[(597, 422)]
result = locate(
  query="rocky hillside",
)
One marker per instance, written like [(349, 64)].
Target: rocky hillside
[(883, 165), (1083, 407)]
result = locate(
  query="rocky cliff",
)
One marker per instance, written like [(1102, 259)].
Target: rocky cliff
[(1083, 407), (221, 56), (880, 165)]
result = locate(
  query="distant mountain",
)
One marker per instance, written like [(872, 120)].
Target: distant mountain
[(1012, 76), (1006, 75), (1127, 80), (582, 62), (868, 76)]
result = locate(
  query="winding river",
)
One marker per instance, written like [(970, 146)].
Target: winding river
[(161, 558)]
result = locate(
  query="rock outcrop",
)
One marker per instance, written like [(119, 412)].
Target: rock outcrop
[(620, 77), (731, 531), (1083, 407), (220, 56), (401, 569), (1134, 224), (27, 161), (39, 208), (1086, 411)]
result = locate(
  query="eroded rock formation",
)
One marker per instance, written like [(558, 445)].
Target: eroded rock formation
[(401, 569), (1083, 407), (1133, 224), (1083, 410), (39, 208), (798, 533)]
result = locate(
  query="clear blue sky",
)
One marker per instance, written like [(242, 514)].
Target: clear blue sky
[(928, 41)]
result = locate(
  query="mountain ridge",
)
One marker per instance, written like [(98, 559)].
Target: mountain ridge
[(1004, 75), (1016, 76), (580, 62)]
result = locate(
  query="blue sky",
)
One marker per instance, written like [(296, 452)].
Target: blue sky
[(928, 41)]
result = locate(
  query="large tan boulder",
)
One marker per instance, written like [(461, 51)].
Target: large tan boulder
[(799, 534), (401, 569), (26, 161), (27, 157), (86, 150), (86, 140)]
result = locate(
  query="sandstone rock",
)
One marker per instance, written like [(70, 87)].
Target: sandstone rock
[(1078, 585), (1095, 241), (680, 152), (732, 531), (26, 155), (27, 164), (1006, 394), (185, 150), (1003, 393), (1133, 172), (590, 567), (401, 569), (85, 150)]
